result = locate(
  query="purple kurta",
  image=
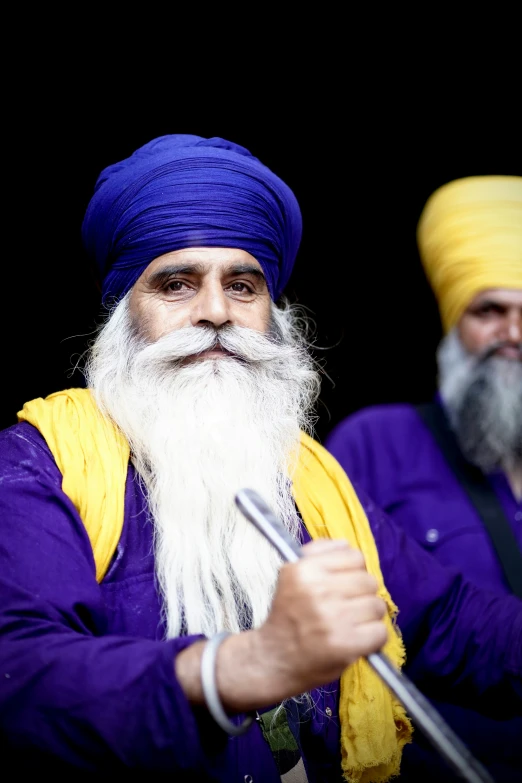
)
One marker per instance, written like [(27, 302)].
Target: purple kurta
[(388, 451), (87, 681)]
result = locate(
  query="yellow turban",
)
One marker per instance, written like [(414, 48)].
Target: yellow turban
[(470, 239)]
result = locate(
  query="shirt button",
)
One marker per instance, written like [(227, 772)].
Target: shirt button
[(432, 535), (328, 712), (518, 515)]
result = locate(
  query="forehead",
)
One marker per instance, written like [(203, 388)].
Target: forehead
[(205, 260), (507, 297)]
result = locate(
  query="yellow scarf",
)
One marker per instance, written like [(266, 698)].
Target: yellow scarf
[(93, 457)]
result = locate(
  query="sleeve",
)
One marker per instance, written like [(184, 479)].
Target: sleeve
[(351, 442), (460, 641), (68, 690)]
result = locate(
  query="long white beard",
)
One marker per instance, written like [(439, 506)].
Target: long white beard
[(483, 396), (199, 431)]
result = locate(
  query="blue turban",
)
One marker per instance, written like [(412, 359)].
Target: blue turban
[(181, 191)]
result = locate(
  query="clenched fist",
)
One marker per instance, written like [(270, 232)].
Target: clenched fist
[(324, 616)]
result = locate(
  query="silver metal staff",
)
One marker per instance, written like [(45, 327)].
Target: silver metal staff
[(423, 714)]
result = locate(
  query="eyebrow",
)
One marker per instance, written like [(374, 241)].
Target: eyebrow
[(162, 275), (489, 303)]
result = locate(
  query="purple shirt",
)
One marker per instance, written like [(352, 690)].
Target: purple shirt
[(87, 680), (388, 451)]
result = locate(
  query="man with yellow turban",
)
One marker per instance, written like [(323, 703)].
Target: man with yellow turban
[(450, 472), (145, 624)]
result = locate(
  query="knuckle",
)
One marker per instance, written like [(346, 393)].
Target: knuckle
[(370, 584), (356, 558), (380, 607)]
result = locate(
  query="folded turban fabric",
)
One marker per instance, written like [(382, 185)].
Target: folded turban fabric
[(470, 239), (180, 191)]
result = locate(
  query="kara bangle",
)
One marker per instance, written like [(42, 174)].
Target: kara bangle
[(210, 692)]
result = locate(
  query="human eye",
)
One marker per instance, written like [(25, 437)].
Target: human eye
[(176, 286), (240, 287), (244, 283), (489, 310)]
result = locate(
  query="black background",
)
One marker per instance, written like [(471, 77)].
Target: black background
[(362, 157)]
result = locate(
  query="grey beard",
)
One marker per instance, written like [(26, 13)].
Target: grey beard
[(483, 397)]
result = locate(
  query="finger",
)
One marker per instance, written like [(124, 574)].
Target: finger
[(341, 618), (364, 609), (336, 552), (335, 558), (321, 546), (370, 637), (352, 584), (339, 579)]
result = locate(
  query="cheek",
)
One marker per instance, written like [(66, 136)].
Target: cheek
[(265, 315), (476, 335), (262, 323), (155, 319), (255, 315)]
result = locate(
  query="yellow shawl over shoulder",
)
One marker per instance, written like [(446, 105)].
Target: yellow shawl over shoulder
[(93, 457)]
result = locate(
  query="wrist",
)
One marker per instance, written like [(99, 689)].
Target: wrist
[(247, 673), (210, 691)]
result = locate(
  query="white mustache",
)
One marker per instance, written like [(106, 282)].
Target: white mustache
[(239, 341)]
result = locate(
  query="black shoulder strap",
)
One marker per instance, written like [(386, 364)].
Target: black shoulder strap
[(480, 493)]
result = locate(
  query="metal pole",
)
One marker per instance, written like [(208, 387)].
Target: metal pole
[(423, 714)]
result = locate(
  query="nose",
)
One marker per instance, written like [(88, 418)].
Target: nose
[(514, 325), (210, 307)]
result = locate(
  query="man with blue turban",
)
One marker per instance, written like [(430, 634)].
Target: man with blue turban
[(146, 625)]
